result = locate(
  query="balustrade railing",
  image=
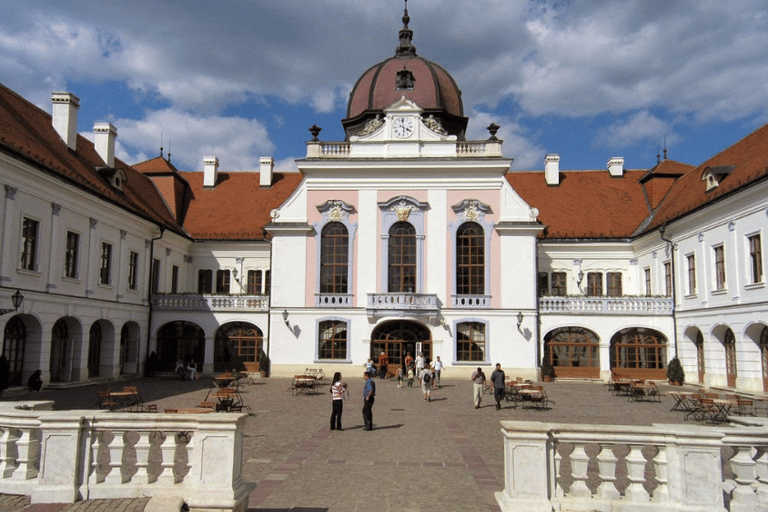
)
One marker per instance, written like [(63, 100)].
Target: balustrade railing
[(416, 302), (471, 301), (656, 468), (607, 305), (334, 149), (192, 302), (333, 300), (68, 456)]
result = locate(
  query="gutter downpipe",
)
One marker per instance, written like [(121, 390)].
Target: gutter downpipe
[(671, 245), (149, 292), (537, 324), (269, 311)]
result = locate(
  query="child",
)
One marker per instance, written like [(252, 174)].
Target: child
[(410, 377), (399, 377)]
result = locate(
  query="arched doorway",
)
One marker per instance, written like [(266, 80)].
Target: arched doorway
[(237, 346), (59, 348), (129, 348), (700, 362), (639, 352), (14, 339), (764, 356), (398, 337), (574, 352), (94, 350), (179, 340), (729, 344)]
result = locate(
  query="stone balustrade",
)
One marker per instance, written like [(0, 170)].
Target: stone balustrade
[(607, 305), (655, 468), (471, 301), (406, 302), (333, 300), (192, 302), (68, 456)]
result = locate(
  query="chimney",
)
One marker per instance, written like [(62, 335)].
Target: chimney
[(616, 166), (65, 106), (552, 169), (104, 142), (210, 166), (266, 164)]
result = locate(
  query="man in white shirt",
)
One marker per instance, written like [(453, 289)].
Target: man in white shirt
[(438, 366)]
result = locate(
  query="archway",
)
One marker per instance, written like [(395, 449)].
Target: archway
[(397, 338), (763, 344), (696, 338), (60, 347), (573, 351), (237, 346), (14, 341), (179, 340), (639, 352), (729, 345), (129, 348), (94, 350)]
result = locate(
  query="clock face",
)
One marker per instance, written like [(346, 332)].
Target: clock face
[(403, 127)]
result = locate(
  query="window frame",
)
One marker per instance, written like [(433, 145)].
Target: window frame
[(333, 210), (648, 284), (402, 209), (691, 263), (133, 270), (755, 258), (174, 279), (105, 264), (71, 255), (470, 269), (542, 284), (253, 286), (594, 284), (223, 281), (558, 282), (30, 236), (155, 276), (472, 321), (718, 258), (204, 281), (668, 278), (334, 246), (318, 341), (611, 280)]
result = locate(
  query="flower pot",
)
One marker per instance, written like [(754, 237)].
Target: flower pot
[(675, 383), (547, 378)]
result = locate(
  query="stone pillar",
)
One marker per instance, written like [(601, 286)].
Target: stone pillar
[(60, 459), (528, 466)]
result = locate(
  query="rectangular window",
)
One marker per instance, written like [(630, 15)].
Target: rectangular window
[(105, 268), (594, 283), (691, 274), (29, 244), (668, 278), (155, 278), (253, 284), (719, 267), (756, 258), (222, 281), (70, 255), (204, 281), (647, 273), (559, 287), (470, 341), (175, 279), (267, 282), (614, 284), (543, 284), (133, 269), (332, 340)]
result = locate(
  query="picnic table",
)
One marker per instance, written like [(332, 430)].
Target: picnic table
[(304, 384)]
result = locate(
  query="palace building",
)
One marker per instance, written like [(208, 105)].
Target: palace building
[(404, 237)]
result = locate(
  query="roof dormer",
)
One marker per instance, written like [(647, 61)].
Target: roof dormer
[(712, 176), (115, 177)]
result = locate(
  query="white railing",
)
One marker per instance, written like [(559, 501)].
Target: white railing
[(68, 456), (334, 149), (192, 302), (415, 302), (471, 301), (607, 305), (333, 300), (655, 468)]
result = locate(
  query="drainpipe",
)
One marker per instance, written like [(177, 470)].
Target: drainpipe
[(269, 311), (662, 230), (149, 291), (537, 324)]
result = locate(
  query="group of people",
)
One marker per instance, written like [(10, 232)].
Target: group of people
[(499, 383), (339, 393), (188, 372)]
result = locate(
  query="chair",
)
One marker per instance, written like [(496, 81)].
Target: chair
[(106, 401), (538, 398), (745, 406), (207, 405)]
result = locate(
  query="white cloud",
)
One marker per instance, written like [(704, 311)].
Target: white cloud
[(518, 145), (640, 127)]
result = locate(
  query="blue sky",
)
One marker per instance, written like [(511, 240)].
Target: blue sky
[(588, 79)]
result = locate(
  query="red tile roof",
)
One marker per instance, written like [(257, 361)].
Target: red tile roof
[(659, 180)]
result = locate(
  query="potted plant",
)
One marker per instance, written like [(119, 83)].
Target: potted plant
[(547, 370), (675, 372), (263, 364)]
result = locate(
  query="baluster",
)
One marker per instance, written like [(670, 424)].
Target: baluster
[(7, 453), (661, 494), (168, 452), (559, 490), (743, 467), (142, 458), (579, 462), (28, 454), (190, 448), (606, 463), (97, 441), (116, 447), (761, 470), (636, 474)]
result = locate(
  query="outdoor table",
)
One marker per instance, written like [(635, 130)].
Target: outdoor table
[(224, 380), (125, 398), (228, 399), (682, 400), (723, 408), (644, 391)]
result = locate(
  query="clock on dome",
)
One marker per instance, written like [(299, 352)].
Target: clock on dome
[(403, 127)]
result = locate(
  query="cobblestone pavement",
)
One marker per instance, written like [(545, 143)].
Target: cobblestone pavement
[(443, 454)]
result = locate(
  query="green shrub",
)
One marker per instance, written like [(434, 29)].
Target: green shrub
[(675, 372), (547, 370)]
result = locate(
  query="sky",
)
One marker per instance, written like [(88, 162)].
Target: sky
[(239, 79)]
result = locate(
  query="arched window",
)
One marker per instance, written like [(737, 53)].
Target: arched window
[(59, 342), (332, 340), (700, 361), (397, 338), (640, 353), (94, 350), (764, 356), (470, 259), (470, 341), (237, 346), (13, 347), (729, 344), (402, 258), (179, 340), (573, 352), (334, 258)]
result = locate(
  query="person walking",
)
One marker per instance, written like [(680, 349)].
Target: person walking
[(338, 389), (478, 381), (369, 395), (499, 382), (438, 369), (400, 377), (383, 363), (426, 383), (410, 377), (420, 364)]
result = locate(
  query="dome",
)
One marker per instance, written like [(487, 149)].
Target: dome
[(406, 75)]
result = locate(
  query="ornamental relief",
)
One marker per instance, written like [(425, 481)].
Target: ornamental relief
[(471, 210), (335, 210), (403, 210)]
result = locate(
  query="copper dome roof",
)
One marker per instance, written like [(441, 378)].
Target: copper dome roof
[(417, 79)]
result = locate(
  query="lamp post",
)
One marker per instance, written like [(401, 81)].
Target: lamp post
[(285, 318), (17, 298), (519, 319)]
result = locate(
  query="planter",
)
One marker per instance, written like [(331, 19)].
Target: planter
[(547, 378), (263, 375), (675, 383)]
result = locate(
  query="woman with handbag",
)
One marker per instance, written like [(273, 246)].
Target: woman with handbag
[(338, 390)]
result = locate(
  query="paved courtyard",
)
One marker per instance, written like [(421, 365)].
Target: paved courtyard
[(439, 455)]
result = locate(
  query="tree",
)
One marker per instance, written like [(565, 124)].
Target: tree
[(675, 372)]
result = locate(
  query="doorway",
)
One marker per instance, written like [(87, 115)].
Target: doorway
[(398, 338)]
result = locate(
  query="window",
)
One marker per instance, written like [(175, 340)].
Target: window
[(470, 341), (543, 284), (756, 258), (332, 340), (559, 287), (253, 283), (719, 268), (175, 279), (267, 282), (470, 259), (29, 244), (105, 269), (155, 278), (668, 278), (614, 284), (334, 255), (222, 281), (402, 258), (204, 281), (647, 273), (594, 283), (691, 274), (133, 269), (70, 255)]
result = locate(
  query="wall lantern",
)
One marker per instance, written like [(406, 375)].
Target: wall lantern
[(17, 298), (519, 319), (581, 278), (285, 318)]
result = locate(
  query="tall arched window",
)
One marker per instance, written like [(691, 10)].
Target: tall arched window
[(402, 258), (332, 340), (764, 356), (729, 344), (700, 361), (639, 352), (470, 259), (573, 351), (94, 350), (334, 258), (59, 338), (237, 346), (470, 341), (14, 339)]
